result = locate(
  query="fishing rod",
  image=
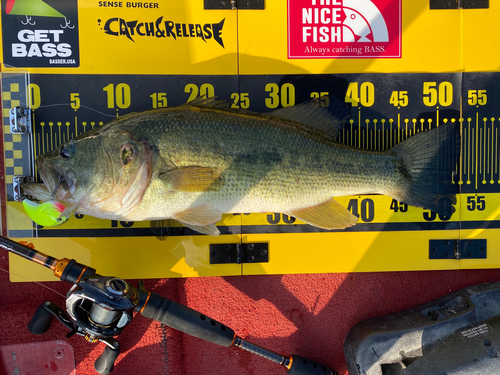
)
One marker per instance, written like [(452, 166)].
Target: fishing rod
[(100, 307)]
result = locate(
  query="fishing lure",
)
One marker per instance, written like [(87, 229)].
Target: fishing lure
[(47, 214)]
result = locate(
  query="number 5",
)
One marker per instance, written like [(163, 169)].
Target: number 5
[(75, 100)]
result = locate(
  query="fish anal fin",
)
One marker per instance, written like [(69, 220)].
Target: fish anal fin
[(203, 215), (194, 178), (327, 215)]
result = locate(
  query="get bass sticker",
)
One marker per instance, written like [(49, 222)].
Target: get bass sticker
[(344, 29), (40, 33)]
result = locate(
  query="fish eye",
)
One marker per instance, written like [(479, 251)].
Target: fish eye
[(127, 154), (67, 151)]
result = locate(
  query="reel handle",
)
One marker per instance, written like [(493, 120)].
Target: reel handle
[(41, 321), (106, 361)]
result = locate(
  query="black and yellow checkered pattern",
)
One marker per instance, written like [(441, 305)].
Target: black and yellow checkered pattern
[(14, 144)]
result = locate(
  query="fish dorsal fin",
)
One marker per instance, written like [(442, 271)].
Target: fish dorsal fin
[(203, 215), (327, 215), (212, 102), (327, 122), (309, 116), (194, 178)]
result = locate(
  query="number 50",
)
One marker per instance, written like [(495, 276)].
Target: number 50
[(443, 94)]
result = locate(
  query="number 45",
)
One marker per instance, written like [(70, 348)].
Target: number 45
[(399, 98)]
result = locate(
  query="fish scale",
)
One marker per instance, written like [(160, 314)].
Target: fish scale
[(270, 165)]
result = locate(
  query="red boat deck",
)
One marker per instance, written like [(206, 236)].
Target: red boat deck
[(308, 315)]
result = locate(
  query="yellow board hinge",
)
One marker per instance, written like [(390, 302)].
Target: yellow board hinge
[(457, 249), (233, 4), (459, 4)]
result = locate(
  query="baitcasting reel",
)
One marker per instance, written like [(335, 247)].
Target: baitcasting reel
[(99, 308)]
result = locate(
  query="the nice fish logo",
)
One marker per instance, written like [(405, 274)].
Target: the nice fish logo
[(344, 28), (38, 33)]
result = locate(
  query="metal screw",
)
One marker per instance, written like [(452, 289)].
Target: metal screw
[(263, 252), (448, 5), (227, 259), (470, 4), (445, 255), (222, 5), (247, 5), (250, 246), (115, 343), (481, 248), (251, 258), (227, 247), (469, 254), (433, 249), (59, 353), (213, 254)]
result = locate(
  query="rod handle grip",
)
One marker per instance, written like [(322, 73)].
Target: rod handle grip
[(306, 366), (187, 320)]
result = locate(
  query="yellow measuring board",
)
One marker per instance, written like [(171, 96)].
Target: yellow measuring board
[(418, 68)]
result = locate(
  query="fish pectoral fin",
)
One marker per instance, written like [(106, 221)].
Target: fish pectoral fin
[(194, 178), (210, 229), (203, 215), (327, 215)]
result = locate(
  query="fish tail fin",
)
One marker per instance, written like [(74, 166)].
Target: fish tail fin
[(426, 164)]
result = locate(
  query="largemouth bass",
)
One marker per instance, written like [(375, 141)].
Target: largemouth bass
[(194, 162)]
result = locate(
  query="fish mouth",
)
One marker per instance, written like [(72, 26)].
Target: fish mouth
[(60, 184)]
